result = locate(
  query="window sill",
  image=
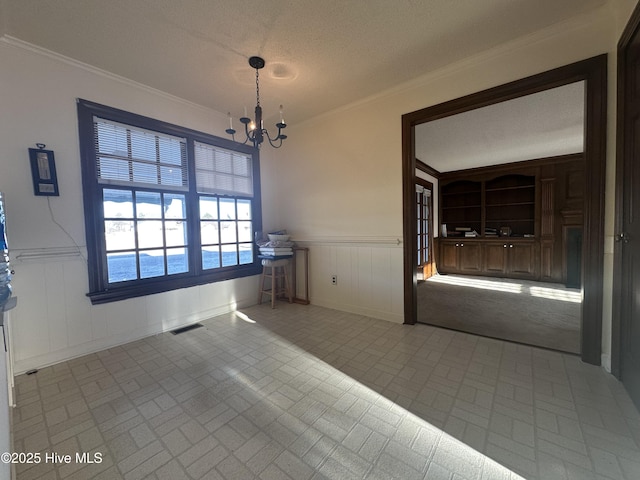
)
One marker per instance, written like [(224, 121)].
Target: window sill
[(152, 287)]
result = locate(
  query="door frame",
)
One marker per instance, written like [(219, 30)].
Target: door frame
[(594, 72), (617, 325)]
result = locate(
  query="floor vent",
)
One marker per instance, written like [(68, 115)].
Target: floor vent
[(187, 328)]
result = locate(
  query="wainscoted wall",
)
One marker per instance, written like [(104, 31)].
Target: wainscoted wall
[(368, 270), (56, 321)]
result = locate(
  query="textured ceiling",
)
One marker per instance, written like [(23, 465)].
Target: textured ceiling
[(540, 125), (320, 54)]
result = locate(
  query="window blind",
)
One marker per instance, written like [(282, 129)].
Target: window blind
[(221, 171), (132, 156)]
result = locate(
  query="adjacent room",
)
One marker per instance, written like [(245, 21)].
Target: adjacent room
[(148, 148), (508, 231)]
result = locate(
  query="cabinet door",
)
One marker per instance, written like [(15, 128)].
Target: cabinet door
[(495, 258), (522, 260), (448, 257), (470, 257)]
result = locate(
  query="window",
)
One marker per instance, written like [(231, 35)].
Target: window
[(165, 207)]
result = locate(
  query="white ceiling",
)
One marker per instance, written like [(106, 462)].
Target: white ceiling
[(321, 54), (540, 125)]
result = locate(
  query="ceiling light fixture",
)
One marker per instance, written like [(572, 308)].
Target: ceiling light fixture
[(254, 129)]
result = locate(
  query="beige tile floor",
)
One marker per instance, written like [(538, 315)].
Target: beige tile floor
[(303, 392)]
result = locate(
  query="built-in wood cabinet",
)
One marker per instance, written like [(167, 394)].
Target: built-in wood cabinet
[(460, 257), (512, 220), (512, 258)]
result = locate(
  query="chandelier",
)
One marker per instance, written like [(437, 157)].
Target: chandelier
[(254, 129)]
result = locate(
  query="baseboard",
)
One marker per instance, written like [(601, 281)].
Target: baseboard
[(605, 362), (367, 312), (88, 348)]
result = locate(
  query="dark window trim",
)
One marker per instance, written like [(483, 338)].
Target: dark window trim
[(99, 292)]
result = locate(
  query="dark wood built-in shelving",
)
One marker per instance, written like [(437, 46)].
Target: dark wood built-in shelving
[(519, 213)]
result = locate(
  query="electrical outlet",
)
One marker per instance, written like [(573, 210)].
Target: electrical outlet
[(334, 279)]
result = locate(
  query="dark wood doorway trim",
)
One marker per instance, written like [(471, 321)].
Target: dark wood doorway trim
[(618, 283), (594, 72)]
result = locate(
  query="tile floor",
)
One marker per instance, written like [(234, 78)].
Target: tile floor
[(303, 392)]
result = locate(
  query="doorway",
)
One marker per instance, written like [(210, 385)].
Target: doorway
[(594, 73)]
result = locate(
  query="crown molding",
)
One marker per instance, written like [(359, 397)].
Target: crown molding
[(43, 52), (576, 23)]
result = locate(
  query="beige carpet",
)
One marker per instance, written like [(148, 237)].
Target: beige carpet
[(535, 313)]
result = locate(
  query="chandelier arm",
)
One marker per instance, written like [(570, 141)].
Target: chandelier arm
[(277, 137), (273, 144)]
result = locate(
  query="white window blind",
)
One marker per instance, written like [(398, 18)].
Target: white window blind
[(132, 156), (221, 171)]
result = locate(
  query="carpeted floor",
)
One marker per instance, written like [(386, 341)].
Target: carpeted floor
[(534, 313)]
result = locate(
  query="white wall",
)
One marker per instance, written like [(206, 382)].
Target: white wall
[(344, 169), (54, 319)]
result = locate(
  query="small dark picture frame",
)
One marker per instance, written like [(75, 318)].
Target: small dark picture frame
[(43, 172)]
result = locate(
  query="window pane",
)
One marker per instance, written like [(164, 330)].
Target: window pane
[(113, 169), (210, 257), (227, 209), (112, 139), (208, 208), (209, 233), (174, 206), (148, 205), (246, 253), (121, 267), (150, 234), (119, 235), (151, 263), (244, 209), (117, 203), (143, 145), (245, 233), (145, 173), (175, 233), (242, 185), (228, 232), (171, 176), (170, 150), (229, 255), (177, 260)]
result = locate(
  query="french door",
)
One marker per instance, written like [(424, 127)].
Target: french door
[(424, 201)]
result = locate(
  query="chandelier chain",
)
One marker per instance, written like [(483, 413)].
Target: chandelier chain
[(257, 88)]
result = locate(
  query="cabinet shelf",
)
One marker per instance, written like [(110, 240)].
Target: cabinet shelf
[(461, 206), (477, 192), (500, 189), (504, 201), (507, 221), (500, 205)]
